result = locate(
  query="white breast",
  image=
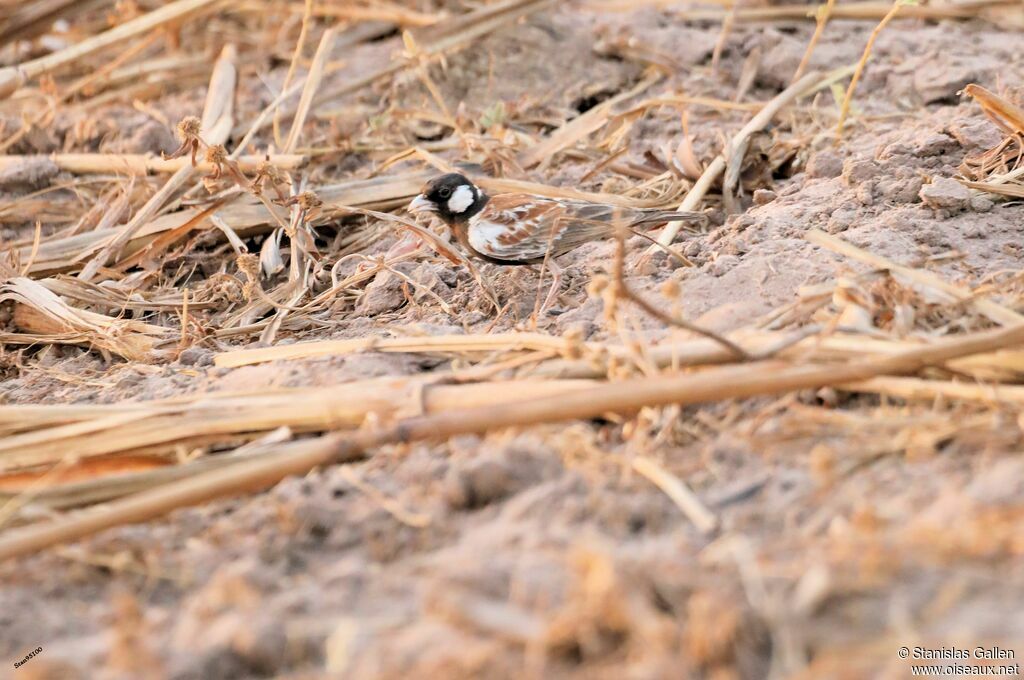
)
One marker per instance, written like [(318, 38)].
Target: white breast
[(486, 237), (483, 235)]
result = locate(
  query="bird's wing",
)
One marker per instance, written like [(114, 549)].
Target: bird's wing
[(523, 228)]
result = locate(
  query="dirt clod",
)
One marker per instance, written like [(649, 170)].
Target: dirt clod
[(946, 195), (825, 165), (856, 171), (384, 294)]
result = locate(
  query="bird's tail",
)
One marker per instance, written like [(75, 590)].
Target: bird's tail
[(653, 216)]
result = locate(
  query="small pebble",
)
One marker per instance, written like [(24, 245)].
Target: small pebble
[(981, 203), (196, 356), (946, 195)]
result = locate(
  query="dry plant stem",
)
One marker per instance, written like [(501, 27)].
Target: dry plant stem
[(244, 215), (681, 495), (1005, 114), (709, 102), (735, 148), (307, 14), (621, 397), (35, 249), (622, 290), (347, 405), (844, 109), (925, 279), (161, 429), (298, 458), (29, 494), (86, 82), (499, 185), (146, 164), (89, 491), (996, 189), (309, 90), (33, 19), (863, 11), (581, 126), (13, 77), (930, 390), (456, 31), (685, 353), (39, 309), (698, 352), (727, 21), (821, 16), (216, 124), (147, 212), (438, 343), (379, 12)]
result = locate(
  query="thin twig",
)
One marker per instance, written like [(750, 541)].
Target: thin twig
[(216, 123), (146, 164), (310, 88), (681, 495), (711, 173), (307, 15), (622, 290), (13, 77), (844, 109), (924, 279), (822, 15)]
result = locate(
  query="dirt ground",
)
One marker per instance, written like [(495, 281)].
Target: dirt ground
[(850, 525)]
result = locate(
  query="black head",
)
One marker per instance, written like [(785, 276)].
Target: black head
[(453, 197)]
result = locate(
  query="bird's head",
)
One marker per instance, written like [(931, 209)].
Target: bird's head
[(452, 197)]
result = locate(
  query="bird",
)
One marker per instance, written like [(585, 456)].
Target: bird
[(527, 229)]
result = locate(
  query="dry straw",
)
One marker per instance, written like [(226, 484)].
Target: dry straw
[(165, 262), (13, 77), (622, 397)]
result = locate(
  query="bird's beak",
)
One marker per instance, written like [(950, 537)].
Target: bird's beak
[(421, 204)]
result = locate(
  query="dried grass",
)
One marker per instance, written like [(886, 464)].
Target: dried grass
[(999, 170), (581, 401), (151, 256)]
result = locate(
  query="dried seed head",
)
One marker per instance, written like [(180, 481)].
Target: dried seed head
[(249, 265), (189, 128), (271, 172), (216, 154), (308, 201)]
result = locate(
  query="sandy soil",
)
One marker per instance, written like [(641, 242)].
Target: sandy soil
[(541, 553)]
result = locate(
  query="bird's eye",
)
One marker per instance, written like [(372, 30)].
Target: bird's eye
[(444, 192)]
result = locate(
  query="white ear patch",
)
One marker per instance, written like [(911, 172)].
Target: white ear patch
[(461, 199)]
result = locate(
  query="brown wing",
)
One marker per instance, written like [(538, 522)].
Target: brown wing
[(523, 228)]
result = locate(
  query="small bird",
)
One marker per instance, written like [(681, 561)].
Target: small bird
[(524, 229)]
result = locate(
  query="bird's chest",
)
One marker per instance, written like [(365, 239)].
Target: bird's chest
[(508, 239)]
